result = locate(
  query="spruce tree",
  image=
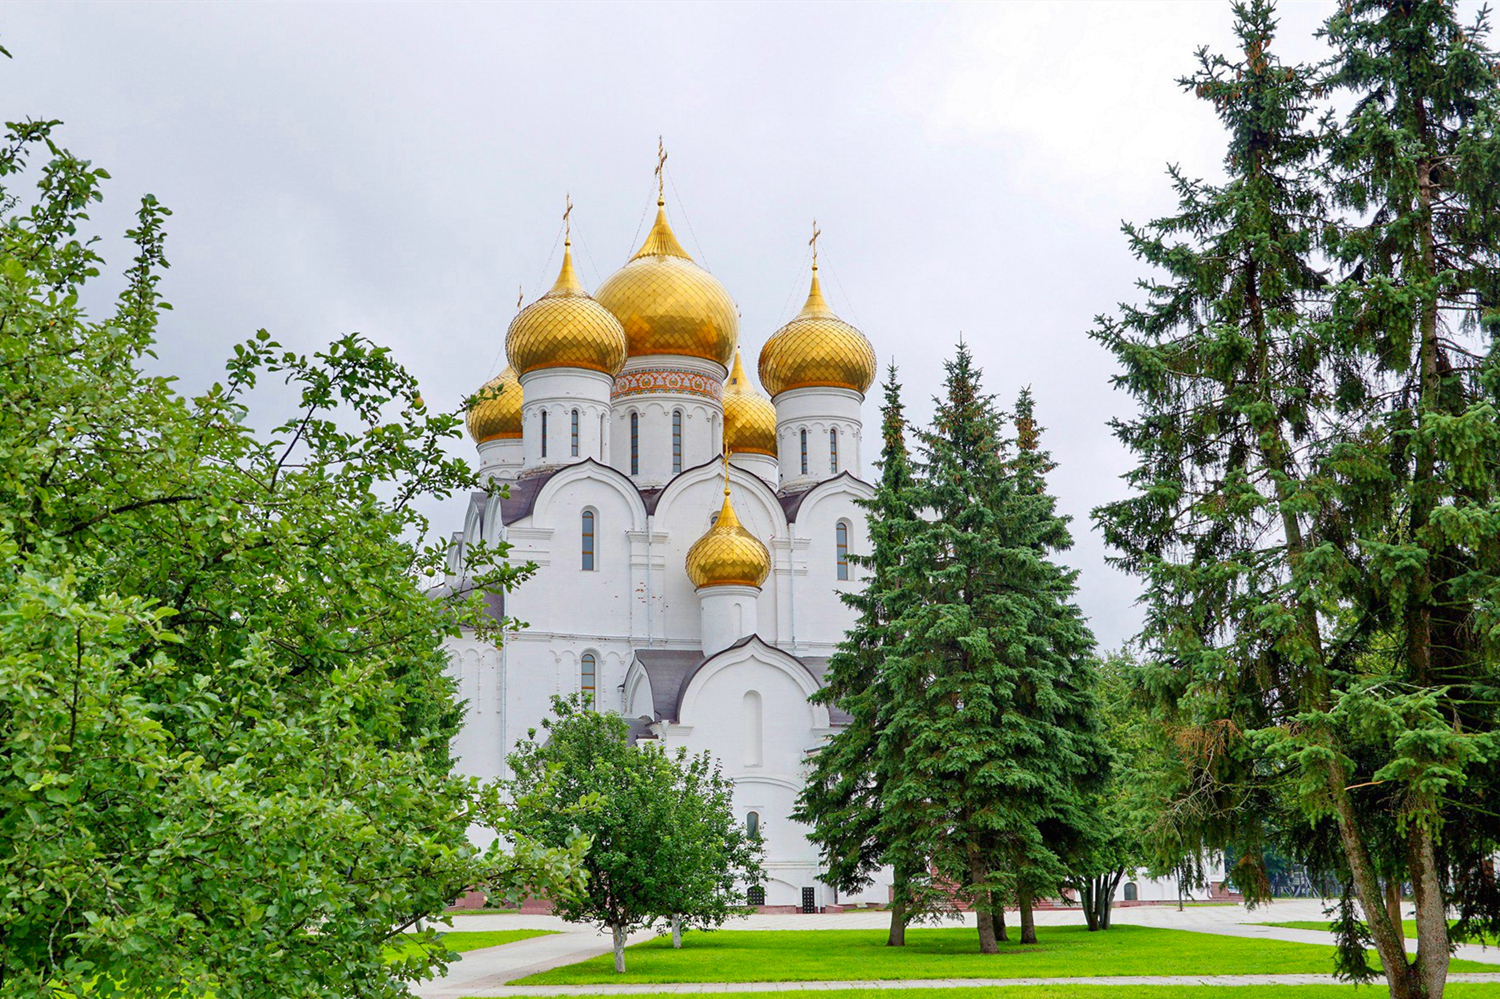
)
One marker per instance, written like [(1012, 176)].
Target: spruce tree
[(844, 796), (990, 704), (1318, 487)]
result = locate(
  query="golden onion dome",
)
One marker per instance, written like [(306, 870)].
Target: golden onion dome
[(817, 348), (565, 328), (668, 304), (727, 554), (496, 415), (749, 417)]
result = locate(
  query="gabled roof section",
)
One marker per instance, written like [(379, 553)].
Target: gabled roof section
[(667, 669), (791, 502)]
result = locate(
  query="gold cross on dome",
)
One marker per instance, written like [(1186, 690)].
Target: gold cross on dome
[(661, 173), (814, 242), (568, 222), (520, 295), (724, 457)]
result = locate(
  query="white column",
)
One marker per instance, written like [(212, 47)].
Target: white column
[(818, 413), (560, 393), (727, 615)]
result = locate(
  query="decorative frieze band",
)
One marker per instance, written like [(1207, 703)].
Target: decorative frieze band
[(650, 381)]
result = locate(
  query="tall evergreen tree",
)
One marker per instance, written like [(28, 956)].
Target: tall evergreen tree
[(844, 798), (990, 711), (1316, 498)]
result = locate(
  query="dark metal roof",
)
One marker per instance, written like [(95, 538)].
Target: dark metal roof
[(791, 502), (667, 669)]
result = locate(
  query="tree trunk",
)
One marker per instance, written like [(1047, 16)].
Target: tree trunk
[(1431, 967), (1111, 883), (1088, 892), (1392, 951), (618, 932), (897, 937), (997, 916), (1393, 906), (978, 875), (1028, 927), (677, 933)]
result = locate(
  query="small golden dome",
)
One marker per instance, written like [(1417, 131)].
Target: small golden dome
[(498, 416), (749, 417), (817, 348), (668, 304), (727, 554), (565, 328)]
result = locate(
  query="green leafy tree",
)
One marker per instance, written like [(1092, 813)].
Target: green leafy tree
[(664, 844), (222, 696), (845, 798), (1318, 490)]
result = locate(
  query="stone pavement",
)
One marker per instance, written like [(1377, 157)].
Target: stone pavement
[(486, 972)]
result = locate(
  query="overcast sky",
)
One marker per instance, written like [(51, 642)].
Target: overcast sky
[(399, 170)]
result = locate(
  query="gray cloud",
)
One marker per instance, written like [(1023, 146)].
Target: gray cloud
[(400, 170)]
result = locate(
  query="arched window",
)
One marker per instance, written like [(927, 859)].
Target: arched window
[(575, 433), (752, 824), (635, 443), (1132, 893), (676, 441), (588, 672), (544, 433), (833, 452), (804, 450), (756, 895), (841, 547), (753, 726), (588, 540)]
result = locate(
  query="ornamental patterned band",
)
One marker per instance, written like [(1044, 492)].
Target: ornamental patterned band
[(667, 380)]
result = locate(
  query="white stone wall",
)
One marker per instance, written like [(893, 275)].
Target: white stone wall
[(818, 413)]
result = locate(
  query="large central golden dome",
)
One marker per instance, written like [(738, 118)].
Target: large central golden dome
[(565, 328), (749, 417), (727, 554), (817, 348), (668, 304)]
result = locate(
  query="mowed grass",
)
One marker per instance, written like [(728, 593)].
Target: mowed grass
[(465, 940), (1455, 990), (851, 955), (1408, 927)]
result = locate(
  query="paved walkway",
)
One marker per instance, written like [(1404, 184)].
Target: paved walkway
[(486, 972)]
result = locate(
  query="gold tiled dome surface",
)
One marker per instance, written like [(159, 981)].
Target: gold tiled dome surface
[(749, 417), (817, 348), (667, 304), (727, 554), (565, 328), (497, 416)]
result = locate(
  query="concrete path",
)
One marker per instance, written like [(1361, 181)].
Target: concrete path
[(487, 972)]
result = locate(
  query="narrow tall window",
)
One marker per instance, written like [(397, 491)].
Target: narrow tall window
[(752, 824), (588, 540), (833, 452), (575, 433), (804, 451), (676, 441), (544, 433), (841, 542), (635, 443), (588, 669)]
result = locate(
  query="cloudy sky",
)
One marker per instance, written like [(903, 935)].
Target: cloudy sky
[(400, 170)]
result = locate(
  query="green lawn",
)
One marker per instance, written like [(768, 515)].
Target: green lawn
[(848, 955), (1408, 926), (1453, 991), (462, 940)]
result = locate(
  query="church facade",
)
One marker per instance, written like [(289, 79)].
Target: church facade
[(699, 597)]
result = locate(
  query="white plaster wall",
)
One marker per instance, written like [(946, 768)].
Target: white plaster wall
[(559, 392), (702, 422), (818, 411), (822, 617), (763, 466), (501, 459)]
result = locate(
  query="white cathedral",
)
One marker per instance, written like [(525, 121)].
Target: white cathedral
[(698, 598)]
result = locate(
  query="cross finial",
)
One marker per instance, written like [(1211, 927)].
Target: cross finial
[(724, 457), (568, 222), (661, 172), (814, 242), (520, 295)]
